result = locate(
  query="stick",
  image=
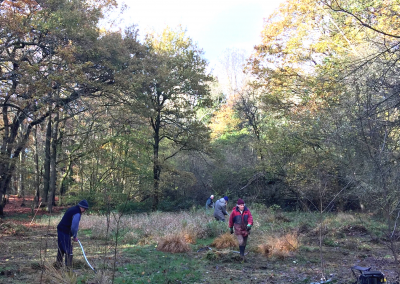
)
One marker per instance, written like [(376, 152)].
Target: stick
[(36, 212)]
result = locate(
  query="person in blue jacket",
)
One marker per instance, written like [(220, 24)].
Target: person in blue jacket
[(67, 229), (209, 202)]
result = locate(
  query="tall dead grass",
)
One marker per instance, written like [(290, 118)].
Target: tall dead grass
[(173, 244), (60, 276), (64, 276), (149, 226), (226, 240), (279, 246)]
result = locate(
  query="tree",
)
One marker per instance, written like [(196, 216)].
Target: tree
[(44, 50), (168, 92)]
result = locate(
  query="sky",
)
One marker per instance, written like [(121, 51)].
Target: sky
[(215, 25)]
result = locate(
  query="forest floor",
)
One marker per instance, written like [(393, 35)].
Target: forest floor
[(27, 251)]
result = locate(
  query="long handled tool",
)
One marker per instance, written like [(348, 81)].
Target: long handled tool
[(85, 257)]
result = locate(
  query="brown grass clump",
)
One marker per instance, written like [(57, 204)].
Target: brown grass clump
[(189, 237), (60, 276), (280, 247), (225, 241), (173, 244)]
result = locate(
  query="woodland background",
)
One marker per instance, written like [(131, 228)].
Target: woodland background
[(309, 122)]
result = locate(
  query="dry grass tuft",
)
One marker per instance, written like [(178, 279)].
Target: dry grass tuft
[(225, 241), (59, 276), (280, 247), (62, 275), (189, 237), (173, 244)]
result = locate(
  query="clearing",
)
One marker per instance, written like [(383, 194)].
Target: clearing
[(28, 251)]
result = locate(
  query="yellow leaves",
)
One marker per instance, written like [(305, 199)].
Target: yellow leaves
[(224, 120), (170, 41), (290, 33)]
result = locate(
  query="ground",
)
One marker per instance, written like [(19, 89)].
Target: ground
[(28, 250)]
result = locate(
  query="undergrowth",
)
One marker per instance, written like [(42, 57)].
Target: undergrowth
[(157, 244)]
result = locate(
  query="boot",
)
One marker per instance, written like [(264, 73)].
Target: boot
[(68, 260), (241, 248), (58, 263)]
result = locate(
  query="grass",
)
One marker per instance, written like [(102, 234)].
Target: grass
[(162, 247), (152, 266)]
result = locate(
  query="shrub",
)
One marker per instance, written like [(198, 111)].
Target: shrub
[(134, 207), (215, 228), (259, 207), (329, 242)]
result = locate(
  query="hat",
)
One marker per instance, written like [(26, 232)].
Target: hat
[(240, 201), (83, 204), (212, 196), (226, 198)]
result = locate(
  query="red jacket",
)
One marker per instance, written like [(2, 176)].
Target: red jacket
[(239, 221)]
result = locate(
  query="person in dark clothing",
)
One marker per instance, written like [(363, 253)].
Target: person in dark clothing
[(241, 221), (209, 202), (220, 209), (67, 228)]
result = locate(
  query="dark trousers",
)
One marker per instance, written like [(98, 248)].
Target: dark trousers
[(64, 247)]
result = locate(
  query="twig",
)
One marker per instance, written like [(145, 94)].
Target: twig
[(36, 212)]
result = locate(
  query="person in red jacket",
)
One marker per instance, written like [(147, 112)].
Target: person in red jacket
[(241, 220)]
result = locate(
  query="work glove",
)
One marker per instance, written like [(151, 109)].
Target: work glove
[(231, 230), (248, 227)]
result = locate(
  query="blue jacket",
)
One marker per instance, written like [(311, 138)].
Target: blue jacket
[(209, 203), (69, 223)]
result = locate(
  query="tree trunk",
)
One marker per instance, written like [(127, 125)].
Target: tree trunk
[(156, 163), (21, 175), (53, 160), (37, 173), (46, 176)]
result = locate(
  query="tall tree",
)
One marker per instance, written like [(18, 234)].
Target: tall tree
[(44, 48), (172, 87)]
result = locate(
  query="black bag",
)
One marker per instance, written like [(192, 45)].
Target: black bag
[(371, 277), (367, 276)]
